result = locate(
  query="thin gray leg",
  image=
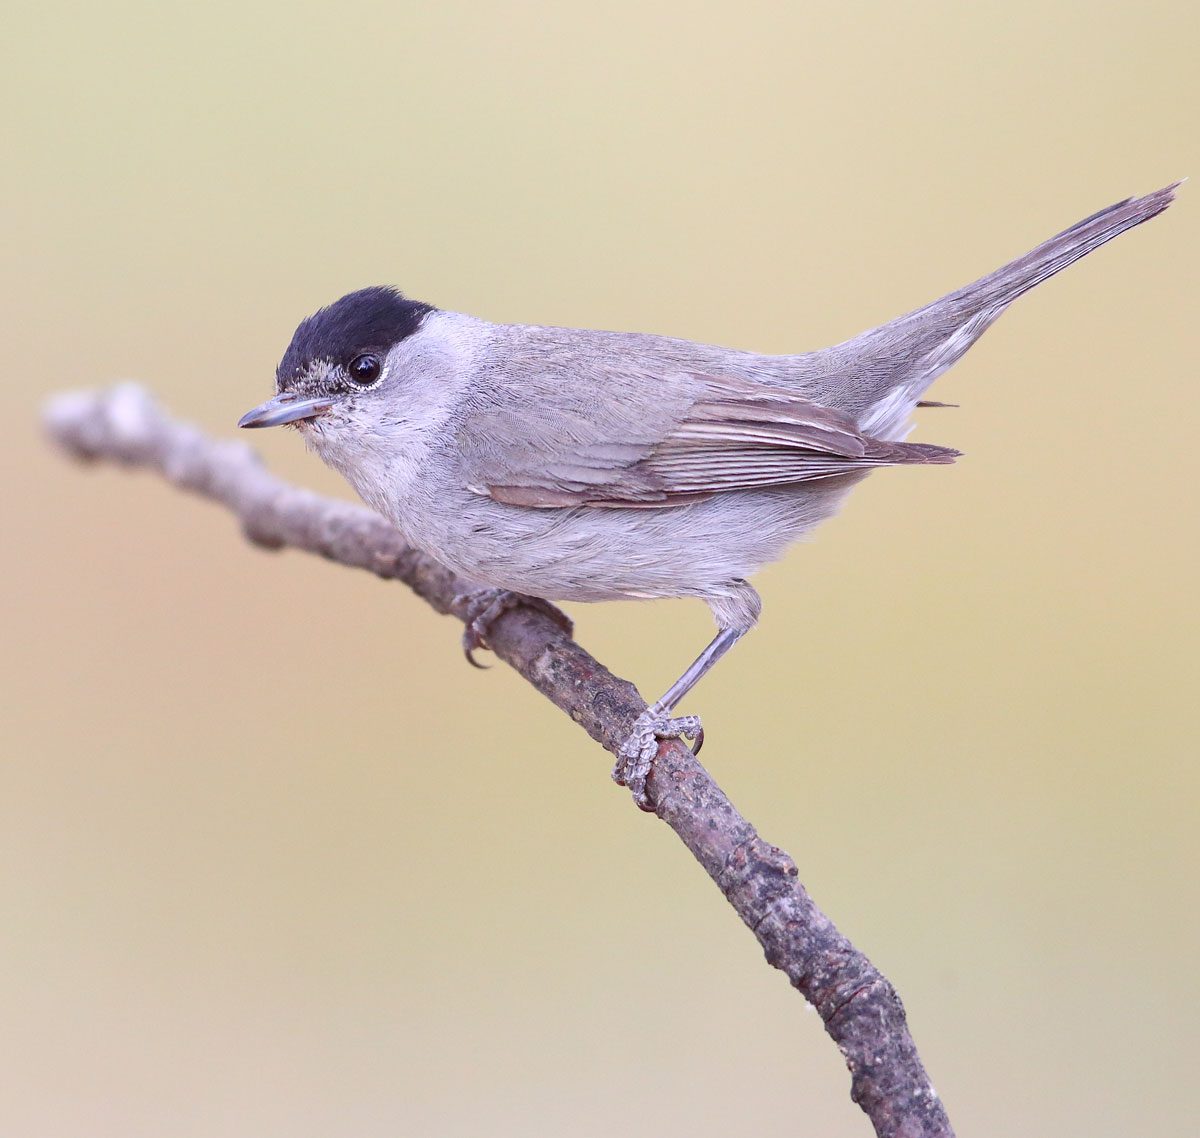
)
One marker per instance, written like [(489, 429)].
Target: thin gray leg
[(721, 643), (736, 609)]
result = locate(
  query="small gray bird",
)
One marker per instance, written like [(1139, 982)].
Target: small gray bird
[(551, 464)]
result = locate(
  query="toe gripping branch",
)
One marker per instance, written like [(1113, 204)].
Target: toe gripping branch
[(481, 609), (637, 754)]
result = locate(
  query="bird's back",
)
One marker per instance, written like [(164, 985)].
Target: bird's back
[(878, 376)]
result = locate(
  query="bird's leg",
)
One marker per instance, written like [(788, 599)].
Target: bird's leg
[(480, 609), (736, 613)]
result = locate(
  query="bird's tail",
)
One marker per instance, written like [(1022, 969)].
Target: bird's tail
[(924, 343), (1001, 288)]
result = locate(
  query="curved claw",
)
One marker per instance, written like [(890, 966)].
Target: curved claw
[(636, 755), (469, 653), (481, 609)]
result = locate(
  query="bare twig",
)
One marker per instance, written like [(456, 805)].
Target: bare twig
[(859, 1007)]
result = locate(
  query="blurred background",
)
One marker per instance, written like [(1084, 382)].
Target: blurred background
[(265, 875)]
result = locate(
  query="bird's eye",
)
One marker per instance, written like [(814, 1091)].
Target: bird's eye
[(365, 369)]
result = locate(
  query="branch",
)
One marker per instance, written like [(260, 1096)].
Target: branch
[(859, 1007)]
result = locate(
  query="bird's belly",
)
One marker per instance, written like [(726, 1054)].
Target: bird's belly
[(594, 554)]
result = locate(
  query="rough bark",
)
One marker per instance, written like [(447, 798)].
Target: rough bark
[(859, 1007)]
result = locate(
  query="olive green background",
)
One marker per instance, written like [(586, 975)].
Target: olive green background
[(277, 863)]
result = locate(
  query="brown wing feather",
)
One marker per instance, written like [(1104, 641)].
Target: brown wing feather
[(736, 435)]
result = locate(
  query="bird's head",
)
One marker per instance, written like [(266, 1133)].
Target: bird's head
[(342, 363)]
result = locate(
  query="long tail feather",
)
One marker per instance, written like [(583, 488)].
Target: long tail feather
[(1003, 286), (896, 362)]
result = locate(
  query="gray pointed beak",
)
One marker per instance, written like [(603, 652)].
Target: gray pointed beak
[(285, 408)]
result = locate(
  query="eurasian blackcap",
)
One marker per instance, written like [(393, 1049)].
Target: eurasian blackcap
[(554, 464)]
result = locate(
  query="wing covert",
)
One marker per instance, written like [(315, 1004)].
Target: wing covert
[(641, 450)]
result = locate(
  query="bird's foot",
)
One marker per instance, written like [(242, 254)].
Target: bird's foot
[(481, 609), (640, 749)]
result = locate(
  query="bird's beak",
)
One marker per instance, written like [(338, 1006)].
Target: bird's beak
[(284, 408)]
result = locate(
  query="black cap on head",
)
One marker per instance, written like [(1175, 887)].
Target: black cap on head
[(371, 319)]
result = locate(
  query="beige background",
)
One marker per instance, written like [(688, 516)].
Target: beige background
[(277, 863)]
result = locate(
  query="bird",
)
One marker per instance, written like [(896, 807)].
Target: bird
[(548, 464)]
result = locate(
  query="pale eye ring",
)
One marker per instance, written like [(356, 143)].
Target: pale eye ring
[(364, 370)]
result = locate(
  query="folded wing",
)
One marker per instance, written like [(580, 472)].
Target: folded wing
[(728, 434)]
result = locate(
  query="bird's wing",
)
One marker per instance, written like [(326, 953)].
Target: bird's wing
[(719, 433)]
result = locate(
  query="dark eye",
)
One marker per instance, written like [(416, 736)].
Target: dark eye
[(365, 369)]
